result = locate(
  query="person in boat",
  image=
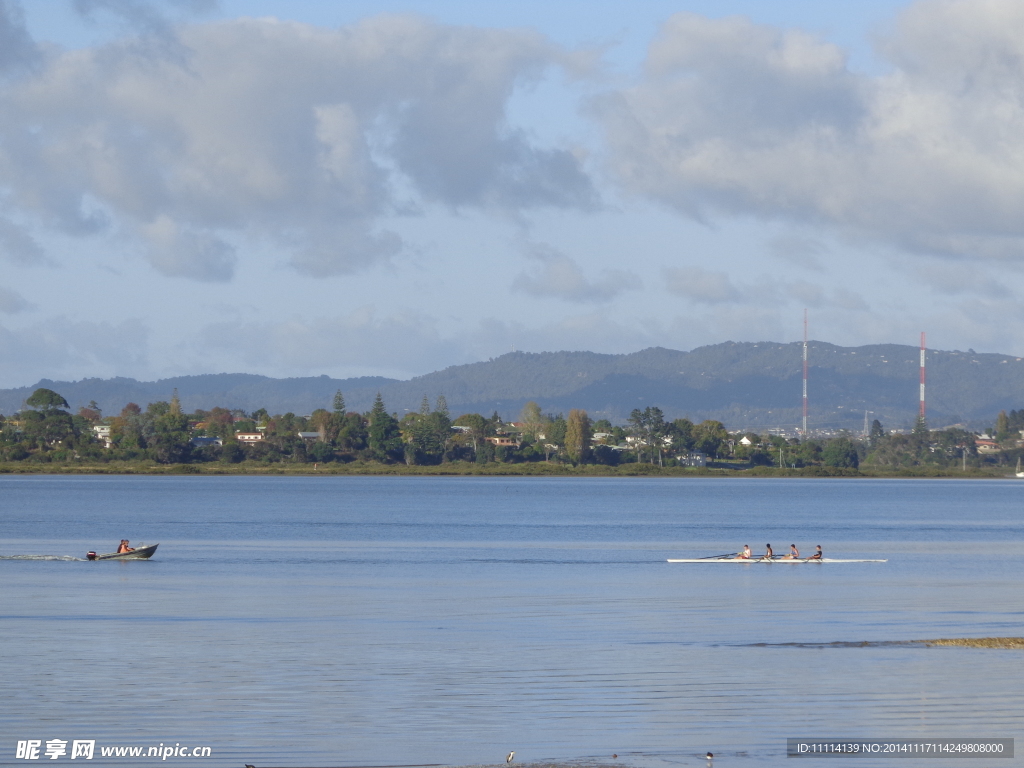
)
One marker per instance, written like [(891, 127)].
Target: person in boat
[(817, 555), (768, 555), (124, 547), (794, 553), (745, 554)]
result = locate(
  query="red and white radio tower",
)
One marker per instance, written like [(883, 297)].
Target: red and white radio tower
[(805, 375), (922, 376)]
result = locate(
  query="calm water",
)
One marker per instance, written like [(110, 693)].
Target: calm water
[(382, 621)]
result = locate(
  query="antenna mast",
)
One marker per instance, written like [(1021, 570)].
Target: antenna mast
[(805, 376), (922, 376)]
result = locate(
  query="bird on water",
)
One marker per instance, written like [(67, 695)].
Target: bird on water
[(511, 755), (709, 756)]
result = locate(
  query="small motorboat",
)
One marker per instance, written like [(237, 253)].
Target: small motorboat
[(139, 553)]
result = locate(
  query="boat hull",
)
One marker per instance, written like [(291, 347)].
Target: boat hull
[(750, 560), (139, 553)]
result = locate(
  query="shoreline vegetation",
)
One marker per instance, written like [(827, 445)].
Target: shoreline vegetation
[(471, 469), (45, 437)]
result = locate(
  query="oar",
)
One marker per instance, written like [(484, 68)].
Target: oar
[(718, 557)]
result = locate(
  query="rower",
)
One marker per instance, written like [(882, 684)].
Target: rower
[(745, 554), (816, 555), (124, 547), (794, 553), (768, 555)]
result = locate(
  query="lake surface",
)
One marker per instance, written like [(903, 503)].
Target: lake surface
[(380, 621)]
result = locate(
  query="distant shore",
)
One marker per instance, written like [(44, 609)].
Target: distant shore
[(491, 469)]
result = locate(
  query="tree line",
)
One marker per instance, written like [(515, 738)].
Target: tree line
[(46, 431)]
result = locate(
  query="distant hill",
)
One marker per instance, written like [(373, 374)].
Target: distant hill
[(742, 384)]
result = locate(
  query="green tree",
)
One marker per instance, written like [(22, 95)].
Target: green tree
[(46, 399), (339, 402), (709, 436), (840, 452), (384, 437), (321, 452), (231, 452), (555, 433), (158, 408), (352, 434), (439, 427), (169, 443), (577, 436), (682, 435)]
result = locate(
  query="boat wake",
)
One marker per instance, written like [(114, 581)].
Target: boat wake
[(65, 558)]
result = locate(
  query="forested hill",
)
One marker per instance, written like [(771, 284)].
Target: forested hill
[(741, 384)]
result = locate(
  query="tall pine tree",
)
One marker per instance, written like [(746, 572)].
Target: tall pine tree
[(385, 438)]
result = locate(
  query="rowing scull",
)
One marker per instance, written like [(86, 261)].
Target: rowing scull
[(773, 560)]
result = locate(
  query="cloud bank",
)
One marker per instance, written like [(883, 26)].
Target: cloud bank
[(732, 117), (297, 136)]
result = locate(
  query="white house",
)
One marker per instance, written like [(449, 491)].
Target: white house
[(693, 459), (102, 432)]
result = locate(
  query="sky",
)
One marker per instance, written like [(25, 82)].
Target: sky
[(302, 187)]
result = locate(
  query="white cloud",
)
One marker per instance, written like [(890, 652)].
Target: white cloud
[(177, 252), (738, 118), (292, 134), (559, 276), (11, 302), (700, 285)]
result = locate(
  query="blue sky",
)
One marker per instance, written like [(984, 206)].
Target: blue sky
[(388, 188)]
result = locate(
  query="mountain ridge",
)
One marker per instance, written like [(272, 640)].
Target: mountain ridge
[(743, 384)]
